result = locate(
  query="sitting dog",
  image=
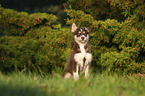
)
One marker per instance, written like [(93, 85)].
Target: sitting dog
[(80, 59)]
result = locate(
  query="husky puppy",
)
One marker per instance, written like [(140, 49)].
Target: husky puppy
[(80, 59)]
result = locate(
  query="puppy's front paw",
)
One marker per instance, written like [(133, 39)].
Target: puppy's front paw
[(76, 76)]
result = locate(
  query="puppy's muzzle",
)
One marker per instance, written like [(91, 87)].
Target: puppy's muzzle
[(82, 38)]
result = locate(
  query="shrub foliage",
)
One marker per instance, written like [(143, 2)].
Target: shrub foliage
[(38, 43)]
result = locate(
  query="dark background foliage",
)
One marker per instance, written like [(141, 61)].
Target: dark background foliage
[(31, 6), (20, 5)]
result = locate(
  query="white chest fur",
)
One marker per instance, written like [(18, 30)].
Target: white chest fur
[(79, 57), (82, 49)]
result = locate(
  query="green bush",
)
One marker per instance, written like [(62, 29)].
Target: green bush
[(18, 23), (99, 9), (121, 62), (36, 46), (113, 44), (38, 43), (32, 54)]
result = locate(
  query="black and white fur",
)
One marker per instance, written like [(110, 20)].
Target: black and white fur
[(80, 59)]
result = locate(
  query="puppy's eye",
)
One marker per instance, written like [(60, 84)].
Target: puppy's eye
[(79, 34)]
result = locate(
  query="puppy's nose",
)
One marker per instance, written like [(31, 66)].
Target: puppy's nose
[(82, 38)]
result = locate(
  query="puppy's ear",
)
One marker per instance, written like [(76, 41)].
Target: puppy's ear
[(74, 27), (87, 29)]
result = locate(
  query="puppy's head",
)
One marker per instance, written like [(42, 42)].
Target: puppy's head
[(81, 35)]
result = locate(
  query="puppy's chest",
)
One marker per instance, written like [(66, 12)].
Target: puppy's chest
[(83, 54), (82, 49)]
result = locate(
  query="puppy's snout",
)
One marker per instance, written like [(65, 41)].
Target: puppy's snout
[(82, 38)]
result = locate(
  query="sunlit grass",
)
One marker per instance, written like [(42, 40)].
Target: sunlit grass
[(95, 85)]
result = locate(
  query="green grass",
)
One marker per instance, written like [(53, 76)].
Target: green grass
[(97, 85)]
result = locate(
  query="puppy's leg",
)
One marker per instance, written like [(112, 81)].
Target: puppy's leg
[(75, 74), (87, 64), (67, 75), (87, 71)]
